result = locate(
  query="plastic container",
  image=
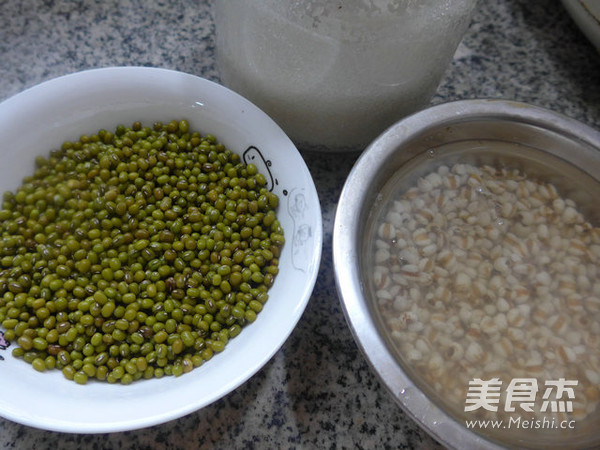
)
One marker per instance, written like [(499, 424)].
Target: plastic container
[(334, 75)]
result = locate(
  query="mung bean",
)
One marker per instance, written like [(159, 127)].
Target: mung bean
[(121, 256)]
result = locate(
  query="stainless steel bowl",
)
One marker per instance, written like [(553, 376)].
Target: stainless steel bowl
[(544, 143)]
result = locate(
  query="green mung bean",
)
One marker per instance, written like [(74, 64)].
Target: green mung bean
[(135, 254)]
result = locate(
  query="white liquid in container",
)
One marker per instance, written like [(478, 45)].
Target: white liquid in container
[(335, 74)]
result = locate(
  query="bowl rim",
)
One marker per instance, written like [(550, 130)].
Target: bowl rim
[(346, 252)]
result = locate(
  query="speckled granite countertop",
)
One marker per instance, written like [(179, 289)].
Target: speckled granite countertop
[(318, 391)]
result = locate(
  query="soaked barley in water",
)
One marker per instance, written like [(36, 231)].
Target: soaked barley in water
[(483, 273)]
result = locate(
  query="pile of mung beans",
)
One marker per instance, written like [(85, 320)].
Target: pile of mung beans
[(135, 254), (481, 272)]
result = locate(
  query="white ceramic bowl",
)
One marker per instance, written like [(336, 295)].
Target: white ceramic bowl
[(40, 119)]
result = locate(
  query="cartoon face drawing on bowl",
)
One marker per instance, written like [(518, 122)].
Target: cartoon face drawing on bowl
[(302, 234), (4, 344), (252, 155)]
